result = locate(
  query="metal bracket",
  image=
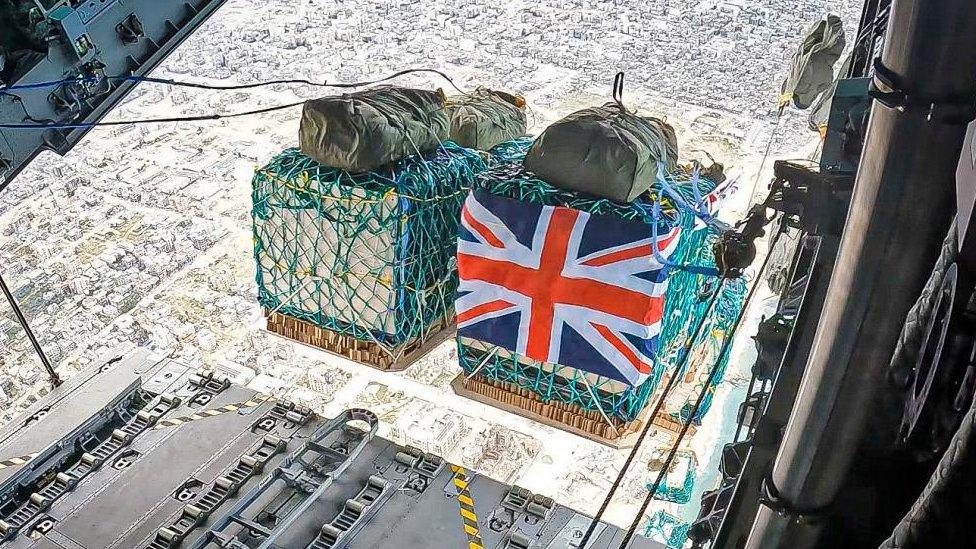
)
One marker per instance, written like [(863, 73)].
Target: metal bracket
[(770, 497), (888, 88), (807, 196), (941, 388), (130, 29), (797, 191), (736, 249)]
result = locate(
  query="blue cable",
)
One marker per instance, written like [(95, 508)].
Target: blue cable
[(680, 201), (694, 269), (699, 201)]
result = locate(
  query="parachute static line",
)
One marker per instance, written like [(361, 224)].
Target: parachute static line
[(647, 426), (726, 345)]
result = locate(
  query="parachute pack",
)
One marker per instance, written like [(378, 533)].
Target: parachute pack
[(363, 131)]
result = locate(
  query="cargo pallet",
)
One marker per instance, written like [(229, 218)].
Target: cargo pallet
[(371, 353), (567, 417)]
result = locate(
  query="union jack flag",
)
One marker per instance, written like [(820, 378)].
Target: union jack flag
[(562, 286)]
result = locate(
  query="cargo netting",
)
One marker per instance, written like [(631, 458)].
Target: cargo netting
[(687, 298), (370, 255), (679, 483), (510, 152), (668, 529)]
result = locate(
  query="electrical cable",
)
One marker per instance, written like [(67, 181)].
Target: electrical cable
[(227, 87), (647, 424), (726, 344), (340, 85), (200, 118)]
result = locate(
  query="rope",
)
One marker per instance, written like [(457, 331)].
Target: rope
[(765, 156), (599, 407), (726, 344), (647, 425)]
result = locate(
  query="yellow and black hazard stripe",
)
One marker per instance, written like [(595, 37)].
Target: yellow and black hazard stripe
[(203, 414), (468, 517), (16, 461)]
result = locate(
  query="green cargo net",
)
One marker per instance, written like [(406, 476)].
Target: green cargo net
[(509, 152), (705, 355), (679, 483), (686, 302), (686, 299), (371, 255), (668, 529)]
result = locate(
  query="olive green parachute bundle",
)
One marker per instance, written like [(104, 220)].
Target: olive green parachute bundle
[(812, 70), (606, 152), (484, 118), (366, 130)]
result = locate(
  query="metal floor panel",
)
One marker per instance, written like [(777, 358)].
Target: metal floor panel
[(66, 407), (138, 497), (142, 495)]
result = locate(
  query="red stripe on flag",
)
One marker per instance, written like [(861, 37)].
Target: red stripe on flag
[(546, 280), (614, 300), (631, 253), (481, 229), (628, 353), (663, 244), (483, 309), (620, 255)]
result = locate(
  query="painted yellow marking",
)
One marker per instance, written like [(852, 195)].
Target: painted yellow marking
[(469, 515), (469, 520), (16, 461), (203, 414)]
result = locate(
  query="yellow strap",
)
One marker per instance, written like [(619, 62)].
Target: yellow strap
[(784, 99)]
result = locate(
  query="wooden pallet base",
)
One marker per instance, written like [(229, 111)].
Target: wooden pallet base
[(365, 352), (568, 417)]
